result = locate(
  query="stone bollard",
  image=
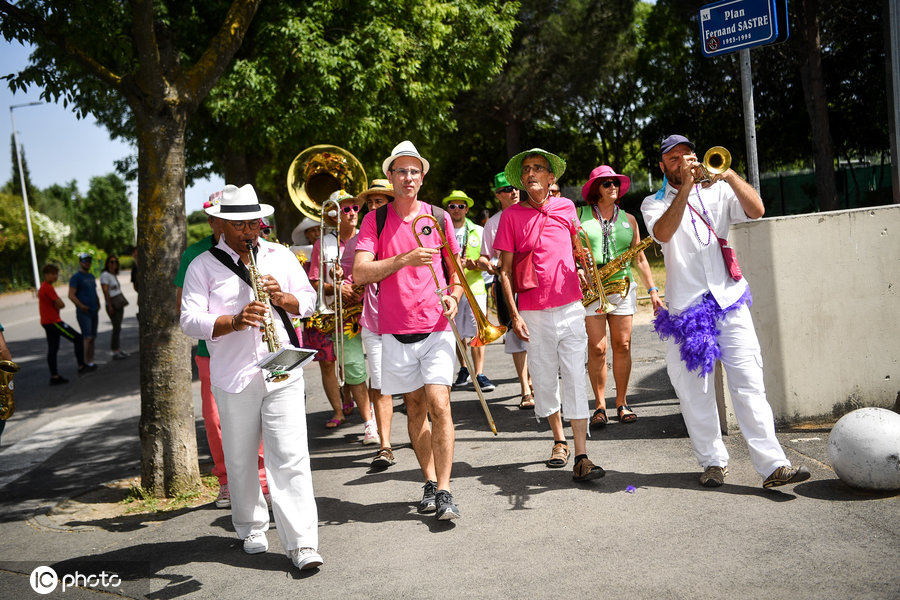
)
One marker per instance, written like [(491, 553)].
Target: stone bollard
[(864, 448)]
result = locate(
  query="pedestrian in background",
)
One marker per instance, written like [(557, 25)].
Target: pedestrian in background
[(115, 303), (83, 294), (49, 305)]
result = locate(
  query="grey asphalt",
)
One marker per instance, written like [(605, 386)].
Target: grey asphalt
[(526, 530)]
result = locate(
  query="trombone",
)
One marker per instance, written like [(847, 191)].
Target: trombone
[(323, 313), (486, 332)]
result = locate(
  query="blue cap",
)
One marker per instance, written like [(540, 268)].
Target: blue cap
[(673, 140), (85, 256)]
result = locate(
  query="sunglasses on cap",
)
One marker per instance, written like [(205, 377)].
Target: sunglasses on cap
[(505, 190), (349, 209), (454, 206)]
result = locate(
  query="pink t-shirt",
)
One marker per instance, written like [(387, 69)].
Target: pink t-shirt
[(407, 299), (553, 261), (369, 316)]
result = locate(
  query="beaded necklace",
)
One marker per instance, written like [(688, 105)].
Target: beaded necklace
[(708, 220), (609, 242)]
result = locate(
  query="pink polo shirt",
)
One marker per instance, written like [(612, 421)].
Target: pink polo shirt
[(407, 299), (554, 264)]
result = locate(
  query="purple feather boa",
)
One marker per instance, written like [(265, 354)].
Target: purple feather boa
[(695, 331)]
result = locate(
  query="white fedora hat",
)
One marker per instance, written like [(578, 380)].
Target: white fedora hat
[(404, 148), (240, 204)]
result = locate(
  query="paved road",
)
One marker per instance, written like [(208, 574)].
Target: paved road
[(526, 531)]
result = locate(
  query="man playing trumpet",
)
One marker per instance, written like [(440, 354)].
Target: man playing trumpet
[(709, 303), (417, 344)]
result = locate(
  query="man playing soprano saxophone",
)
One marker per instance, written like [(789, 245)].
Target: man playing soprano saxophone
[(220, 307)]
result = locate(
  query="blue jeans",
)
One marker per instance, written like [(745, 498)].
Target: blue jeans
[(87, 321)]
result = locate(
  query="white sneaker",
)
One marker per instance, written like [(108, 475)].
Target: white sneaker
[(305, 558), (371, 435), (223, 500), (256, 542)]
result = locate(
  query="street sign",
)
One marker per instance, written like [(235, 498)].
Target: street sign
[(732, 25)]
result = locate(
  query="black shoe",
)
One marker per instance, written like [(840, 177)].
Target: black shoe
[(428, 503), (462, 378), (446, 510), (58, 380)]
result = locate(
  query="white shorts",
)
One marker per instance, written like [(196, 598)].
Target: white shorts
[(407, 367), (513, 344), (626, 305), (465, 319), (558, 346), (372, 343)]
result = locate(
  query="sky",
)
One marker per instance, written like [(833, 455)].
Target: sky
[(60, 147)]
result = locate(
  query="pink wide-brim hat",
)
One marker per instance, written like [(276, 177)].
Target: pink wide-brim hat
[(601, 172)]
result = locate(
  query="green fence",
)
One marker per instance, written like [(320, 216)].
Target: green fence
[(793, 194)]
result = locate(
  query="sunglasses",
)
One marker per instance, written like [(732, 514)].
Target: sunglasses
[(453, 206), (606, 184), (349, 209), (505, 190)]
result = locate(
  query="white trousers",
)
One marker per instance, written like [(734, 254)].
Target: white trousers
[(742, 361), (558, 345), (279, 417)]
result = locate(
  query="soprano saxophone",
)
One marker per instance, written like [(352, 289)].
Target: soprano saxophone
[(620, 286), (7, 400), (270, 336)]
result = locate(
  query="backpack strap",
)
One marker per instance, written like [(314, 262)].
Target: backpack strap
[(244, 274)]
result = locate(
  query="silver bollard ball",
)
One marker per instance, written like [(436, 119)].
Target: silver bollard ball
[(864, 448)]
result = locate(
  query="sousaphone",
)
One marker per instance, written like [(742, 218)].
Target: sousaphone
[(320, 170)]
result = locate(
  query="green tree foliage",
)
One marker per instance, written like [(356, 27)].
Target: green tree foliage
[(51, 243), (58, 201), (142, 68), (14, 185), (103, 217), (362, 76)]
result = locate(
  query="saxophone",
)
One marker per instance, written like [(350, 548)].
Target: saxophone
[(621, 286), (270, 336), (7, 402)]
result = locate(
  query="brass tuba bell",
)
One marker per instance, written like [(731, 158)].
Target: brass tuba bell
[(7, 395), (320, 170)]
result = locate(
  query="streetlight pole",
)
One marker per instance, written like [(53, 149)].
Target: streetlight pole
[(37, 281)]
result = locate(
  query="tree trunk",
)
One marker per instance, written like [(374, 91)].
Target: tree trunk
[(816, 104), (167, 426)]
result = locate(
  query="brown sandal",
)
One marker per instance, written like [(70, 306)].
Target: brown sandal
[(626, 415), (559, 457), (527, 402), (585, 470), (599, 419)]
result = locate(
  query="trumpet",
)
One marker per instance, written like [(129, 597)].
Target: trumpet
[(486, 332), (269, 334), (716, 160)]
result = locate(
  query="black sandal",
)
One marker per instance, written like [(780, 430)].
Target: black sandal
[(630, 417), (599, 419)]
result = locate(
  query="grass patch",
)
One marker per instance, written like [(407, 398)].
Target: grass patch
[(139, 500)]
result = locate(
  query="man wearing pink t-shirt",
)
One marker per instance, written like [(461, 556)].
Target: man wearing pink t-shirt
[(417, 345), (549, 315)]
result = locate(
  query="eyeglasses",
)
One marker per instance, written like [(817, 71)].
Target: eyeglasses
[(606, 184), (505, 190), (533, 168), (453, 206), (350, 209), (407, 172), (241, 225)]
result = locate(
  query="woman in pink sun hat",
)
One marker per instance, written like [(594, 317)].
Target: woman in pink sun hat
[(610, 232)]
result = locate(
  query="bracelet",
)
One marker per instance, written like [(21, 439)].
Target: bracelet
[(653, 289), (233, 326)]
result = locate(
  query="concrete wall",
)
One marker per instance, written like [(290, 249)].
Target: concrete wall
[(826, 305)]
